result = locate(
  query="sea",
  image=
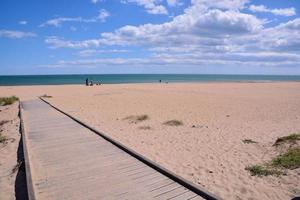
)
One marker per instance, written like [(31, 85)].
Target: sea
[(137, 78)]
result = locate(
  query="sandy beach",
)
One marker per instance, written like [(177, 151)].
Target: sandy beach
[(12, 170), (207, 147)]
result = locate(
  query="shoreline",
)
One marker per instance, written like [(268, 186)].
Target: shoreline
[(157, 83), (140, 79)]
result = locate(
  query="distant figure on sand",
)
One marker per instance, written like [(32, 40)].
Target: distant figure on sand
[(87, 82)]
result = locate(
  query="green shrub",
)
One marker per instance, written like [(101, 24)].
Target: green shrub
[(137, 118), (2, 138), (173, 123), (257, 170), (8, 100), (142, 117), (289, 160), (291, 139), (46, 96), (248, 141)]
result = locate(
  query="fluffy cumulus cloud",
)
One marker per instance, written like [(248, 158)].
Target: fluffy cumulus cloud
[(284, 37), (293, 25), (282, 11), (13, 34), (206, 33), (151, 6), (57, 22), (197, 24), (190, 28)]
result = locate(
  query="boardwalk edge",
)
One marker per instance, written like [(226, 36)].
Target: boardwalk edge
[(30, 190), (195, 188)]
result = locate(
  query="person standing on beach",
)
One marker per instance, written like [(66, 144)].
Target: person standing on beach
[(87, 82)]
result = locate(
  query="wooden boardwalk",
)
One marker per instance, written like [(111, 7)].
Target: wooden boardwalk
[(65, 160)]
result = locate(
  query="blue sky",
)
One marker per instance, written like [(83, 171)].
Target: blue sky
[(150, 36)]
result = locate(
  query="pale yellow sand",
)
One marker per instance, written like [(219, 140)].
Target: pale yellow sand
[(207, 149), (12, 178)]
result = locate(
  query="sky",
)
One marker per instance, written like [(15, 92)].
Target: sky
[(150, 36)]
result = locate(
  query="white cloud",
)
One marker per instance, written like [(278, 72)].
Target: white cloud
[(92, 52), (224, 4), (189, 28), (284, 37), (56, 42), (292, 25), (103, 14), (227, 22), (58, 21), (206, 33), (184, 29), (16, 34), (174, 2), (23, 22), (151, 6), (95, 1), (192, 59), (282, 11), (197, 25)]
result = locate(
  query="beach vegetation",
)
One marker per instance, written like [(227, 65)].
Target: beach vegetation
[(8, 100), (137, 118), (289, 160), (46, 96), (248, 141), (145, 128), (19, 165), (258, 170), (173, 123), (3, 122), (142, 117), (290, 139), (2, 138)]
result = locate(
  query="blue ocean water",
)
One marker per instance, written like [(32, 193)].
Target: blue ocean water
[(137, 78)]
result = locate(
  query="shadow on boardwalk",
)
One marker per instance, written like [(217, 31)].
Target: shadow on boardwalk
[(20, 182)]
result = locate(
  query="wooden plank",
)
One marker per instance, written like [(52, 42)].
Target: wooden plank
[(186, 195)]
